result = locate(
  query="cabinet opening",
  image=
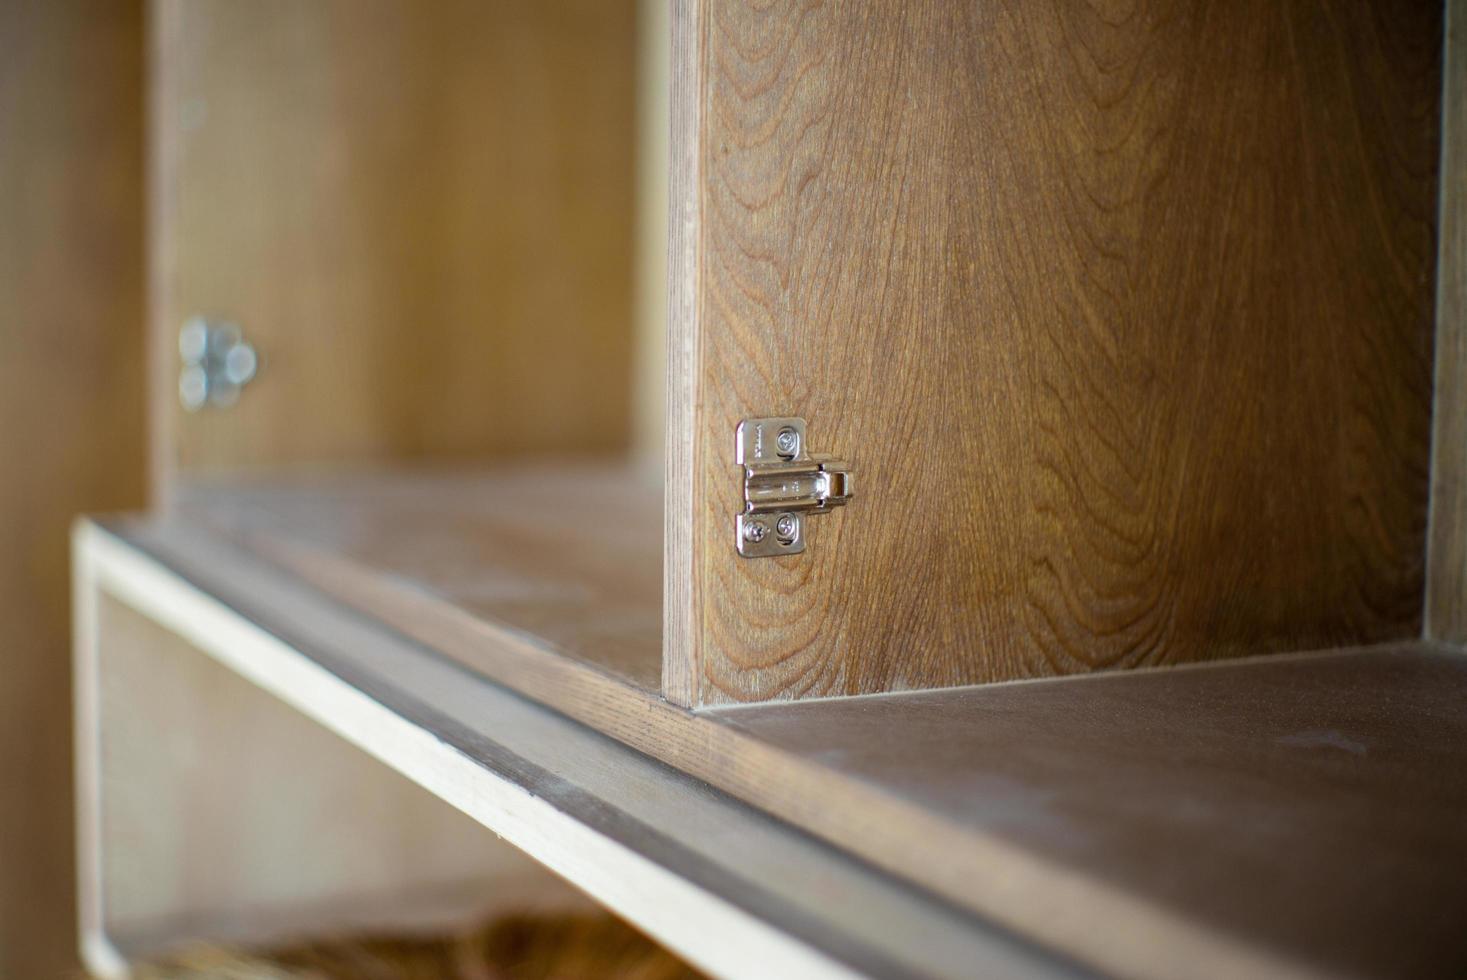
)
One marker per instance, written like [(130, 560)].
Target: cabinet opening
[(440, 229)]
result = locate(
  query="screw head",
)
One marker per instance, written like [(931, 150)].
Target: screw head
[(787, 441), (193, 387), (240, 362), (785, 527), (754, 531)]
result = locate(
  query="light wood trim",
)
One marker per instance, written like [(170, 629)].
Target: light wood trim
[(98, 953), (1446, 556), (682, 594), (665, 863)]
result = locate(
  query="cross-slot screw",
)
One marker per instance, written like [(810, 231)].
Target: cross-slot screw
[(787, 441)]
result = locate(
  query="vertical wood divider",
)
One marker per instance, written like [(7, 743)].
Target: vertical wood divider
[(681, 668), (1446, 561)]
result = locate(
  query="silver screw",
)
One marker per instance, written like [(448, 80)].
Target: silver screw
[(785, 527), (788, 441), (754, 531), (193, 387), (217, 363), (193, 340)]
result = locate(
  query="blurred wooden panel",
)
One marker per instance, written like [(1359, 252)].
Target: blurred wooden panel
[(226, 814), (1123, 317), (71, 409), (421, 214), (1446, 603)]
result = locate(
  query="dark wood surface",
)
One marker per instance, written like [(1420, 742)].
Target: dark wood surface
[(1316, 805), (1446, 580), (1123, 316), (1260, 816), (420, 213)]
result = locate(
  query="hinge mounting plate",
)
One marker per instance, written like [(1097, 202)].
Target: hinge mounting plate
[(783, 484)]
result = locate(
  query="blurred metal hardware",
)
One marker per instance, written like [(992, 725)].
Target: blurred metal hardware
[(217, 363)]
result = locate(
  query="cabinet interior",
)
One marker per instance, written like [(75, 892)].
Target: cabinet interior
[(1133, 331), (440, 227)]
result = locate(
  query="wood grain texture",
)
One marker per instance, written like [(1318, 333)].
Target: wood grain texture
[(1446, 573), (1120, 818), (71, 408), (1122, 314), (422, 215)]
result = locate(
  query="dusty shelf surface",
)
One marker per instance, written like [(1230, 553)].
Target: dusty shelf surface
[(1312, 806), (567, 557), (1295, 815)]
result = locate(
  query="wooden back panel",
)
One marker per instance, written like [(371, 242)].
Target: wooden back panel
[(420, 213), (1123, 317)]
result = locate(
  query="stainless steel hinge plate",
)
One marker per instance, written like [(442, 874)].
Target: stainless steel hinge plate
[(783, 484)]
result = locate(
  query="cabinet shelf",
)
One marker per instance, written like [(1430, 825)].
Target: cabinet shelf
[(714, 879), (1283, 814), (549, 574)]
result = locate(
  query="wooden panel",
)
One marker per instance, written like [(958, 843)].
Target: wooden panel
[(1446, 576), (71, 408), (681, 589), (421, 214), (1276, 816), (226, 815), (1124, 321)]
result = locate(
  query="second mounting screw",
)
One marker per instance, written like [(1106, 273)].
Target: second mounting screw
[(787, 442)]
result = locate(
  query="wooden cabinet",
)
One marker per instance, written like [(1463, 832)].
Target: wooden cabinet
[(1127, 322)]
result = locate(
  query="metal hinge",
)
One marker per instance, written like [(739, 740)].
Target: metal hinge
[(782, 484)]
